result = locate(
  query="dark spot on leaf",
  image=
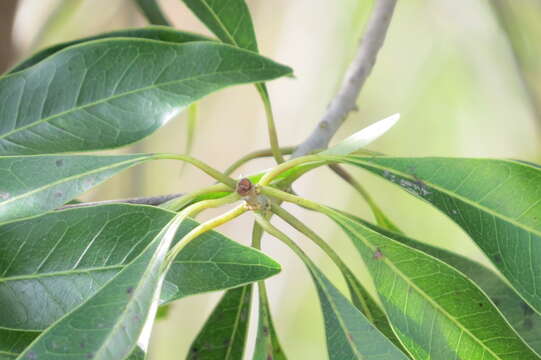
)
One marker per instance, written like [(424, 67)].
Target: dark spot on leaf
[(265, 331), (480, 304), (58, 194), (378, 254), (269, 357), (59, 163), (90, 356), (497, 301), (526, 309), (136, 318), (82, 345), (497, 259), (129, 290), (195, 349), (226, 341)]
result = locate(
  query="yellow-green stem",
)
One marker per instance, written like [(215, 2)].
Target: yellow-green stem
[(272, 230), (284, 196), (277, 170), (316, 239), (206, 226), (271, 127), (201, 165), (310, 234), (257, 234), (183, 201), (380, 217), (255, 155)]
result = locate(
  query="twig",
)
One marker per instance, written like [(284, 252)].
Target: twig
[(354, 79), (343, 103)]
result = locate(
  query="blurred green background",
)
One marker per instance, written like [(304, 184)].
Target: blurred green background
[(465, 76)]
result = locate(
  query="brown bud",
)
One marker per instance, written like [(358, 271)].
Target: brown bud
[(244, 187)]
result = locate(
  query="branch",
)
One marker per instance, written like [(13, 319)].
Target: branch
[(354, 79), (343, 103)]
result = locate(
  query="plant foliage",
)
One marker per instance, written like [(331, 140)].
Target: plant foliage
[(82, 281)]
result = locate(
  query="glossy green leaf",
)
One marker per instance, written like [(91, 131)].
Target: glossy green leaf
[(112, 92), (32, 185), (152, 12), (159, 33), (349, 334), (108, 324), (224, 334), (363, 137), (267, 345), (52, 263), (435, 310), (12, 343), (363, 301), (497, 202), (525, 321), (229, 20)]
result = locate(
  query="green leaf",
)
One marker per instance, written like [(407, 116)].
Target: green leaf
[(367, 305), (349, 334), (108, 325), (213, 262), (112, 92), (363, 137), (232, 23), (223, 336), (152, 12), (32, 185), (159, 33), (229, 20), (267, 345), (497, 202), (12, 343), (435, 310), (53, 263), (525, 321)]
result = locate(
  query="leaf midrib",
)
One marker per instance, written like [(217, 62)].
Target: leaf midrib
[(219, 21), (451, 194), (416, 288), (134, 298), (74, 177), (236, 324), (114, 267), (116, 96), (352, 345)]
